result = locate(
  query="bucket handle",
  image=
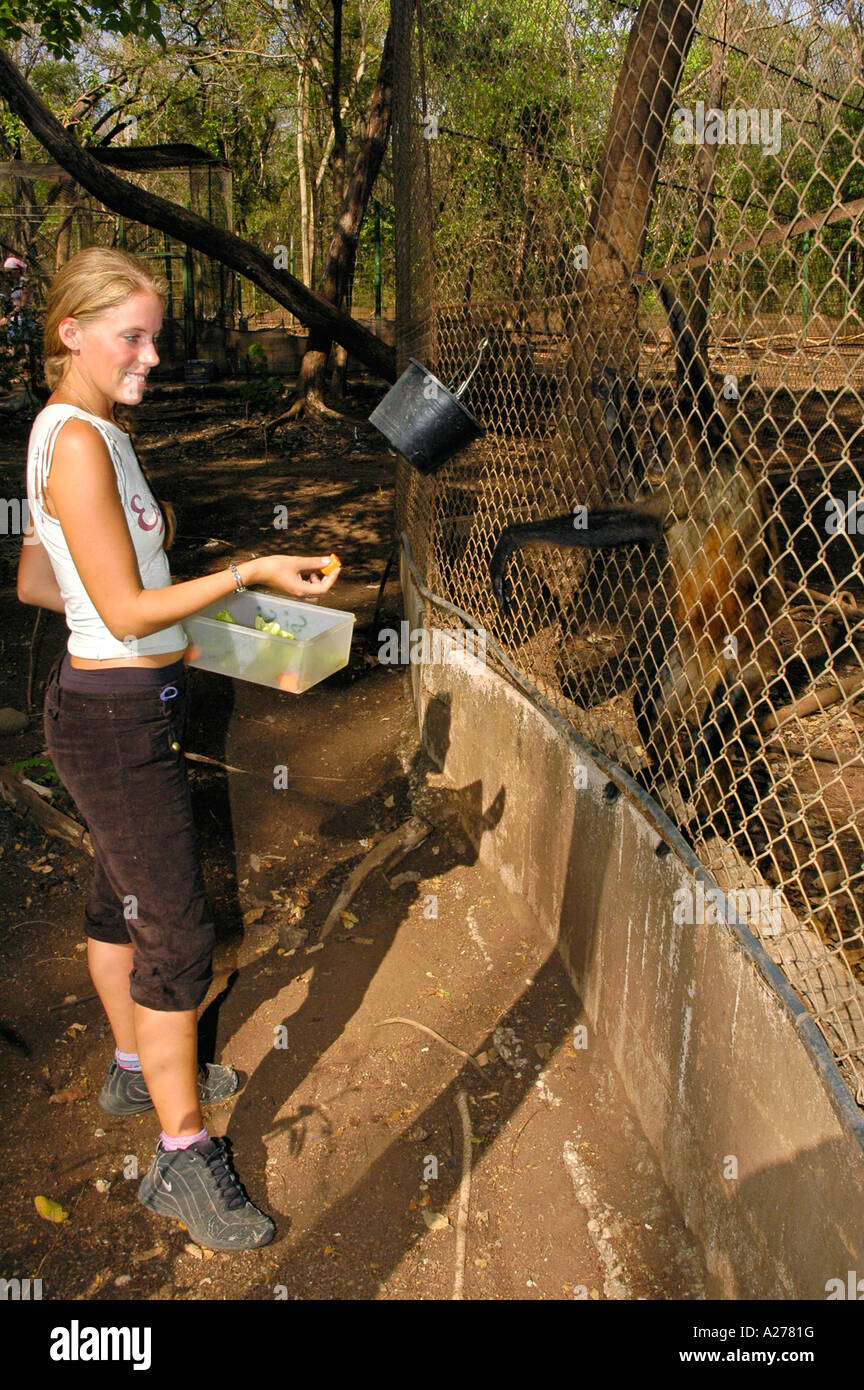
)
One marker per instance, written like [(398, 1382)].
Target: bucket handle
[(479, 352)]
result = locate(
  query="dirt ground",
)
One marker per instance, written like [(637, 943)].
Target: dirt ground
[(349, 1130)]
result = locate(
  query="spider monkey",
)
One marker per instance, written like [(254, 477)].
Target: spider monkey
[(712, 676)]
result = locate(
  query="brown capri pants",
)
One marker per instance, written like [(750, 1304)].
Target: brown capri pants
[(113, 750)]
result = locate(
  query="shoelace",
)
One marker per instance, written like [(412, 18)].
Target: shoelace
[(227, 1182)]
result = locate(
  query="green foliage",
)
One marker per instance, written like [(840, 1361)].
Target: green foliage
[(261, 390), (40, 768), (522, 117), (61, 22), (522, 91), (221, 74)]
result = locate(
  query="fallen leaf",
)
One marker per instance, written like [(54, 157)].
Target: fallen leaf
[(362, 940), (194, 1250), (49, 1209), (102, 1186), (435, 1220), (77, 1028), (318, 947), (122, 1280), (252, 915), (149, 1254), (348, 920)]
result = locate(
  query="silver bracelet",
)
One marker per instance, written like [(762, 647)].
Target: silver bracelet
[(240, 586)]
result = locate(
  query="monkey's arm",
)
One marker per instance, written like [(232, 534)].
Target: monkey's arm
[(602, 529)]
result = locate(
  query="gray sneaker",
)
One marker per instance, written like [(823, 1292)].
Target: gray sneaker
[(199, 1187), (126, 1093)]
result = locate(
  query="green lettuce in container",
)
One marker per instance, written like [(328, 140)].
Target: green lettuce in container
[(260, 625)]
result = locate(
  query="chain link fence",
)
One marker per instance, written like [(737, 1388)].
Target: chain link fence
[(652, 216)]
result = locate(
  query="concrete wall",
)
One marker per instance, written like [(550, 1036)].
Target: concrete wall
[(716, 1052)]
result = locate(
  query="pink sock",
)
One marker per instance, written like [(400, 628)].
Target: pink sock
[(128, 1061), (171, 1142)]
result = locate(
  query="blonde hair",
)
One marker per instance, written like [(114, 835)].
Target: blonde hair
[(92, 282)]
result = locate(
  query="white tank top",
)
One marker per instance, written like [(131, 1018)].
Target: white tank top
[(88, 635)]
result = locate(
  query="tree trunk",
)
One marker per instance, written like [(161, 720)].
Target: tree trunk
[(67, 199), (584, 466), (532, 134), (302, 108), (605, 331), (312, 228), (339, 138), (706, 165), (342, 253), (153, 211)]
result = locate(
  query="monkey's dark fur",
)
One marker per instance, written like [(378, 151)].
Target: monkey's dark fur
[(696, 691)]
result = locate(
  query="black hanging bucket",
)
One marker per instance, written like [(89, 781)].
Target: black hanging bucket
[(424, 419)]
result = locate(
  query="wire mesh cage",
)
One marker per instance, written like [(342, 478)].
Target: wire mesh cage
[(45, 217), (653, 215)]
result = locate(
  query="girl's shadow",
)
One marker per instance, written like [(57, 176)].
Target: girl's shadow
[(333, 998)]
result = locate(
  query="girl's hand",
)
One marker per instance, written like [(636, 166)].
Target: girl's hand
[(285, 572)]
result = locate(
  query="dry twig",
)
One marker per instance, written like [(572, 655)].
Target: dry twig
[(430, 1032), (382, 856), (464, 1195)]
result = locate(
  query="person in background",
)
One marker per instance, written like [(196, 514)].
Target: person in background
[(18, 316)]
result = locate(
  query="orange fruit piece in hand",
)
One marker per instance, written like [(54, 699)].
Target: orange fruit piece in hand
[(334, 563)]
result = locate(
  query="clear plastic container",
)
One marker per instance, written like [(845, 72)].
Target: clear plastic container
[(321, 640)]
